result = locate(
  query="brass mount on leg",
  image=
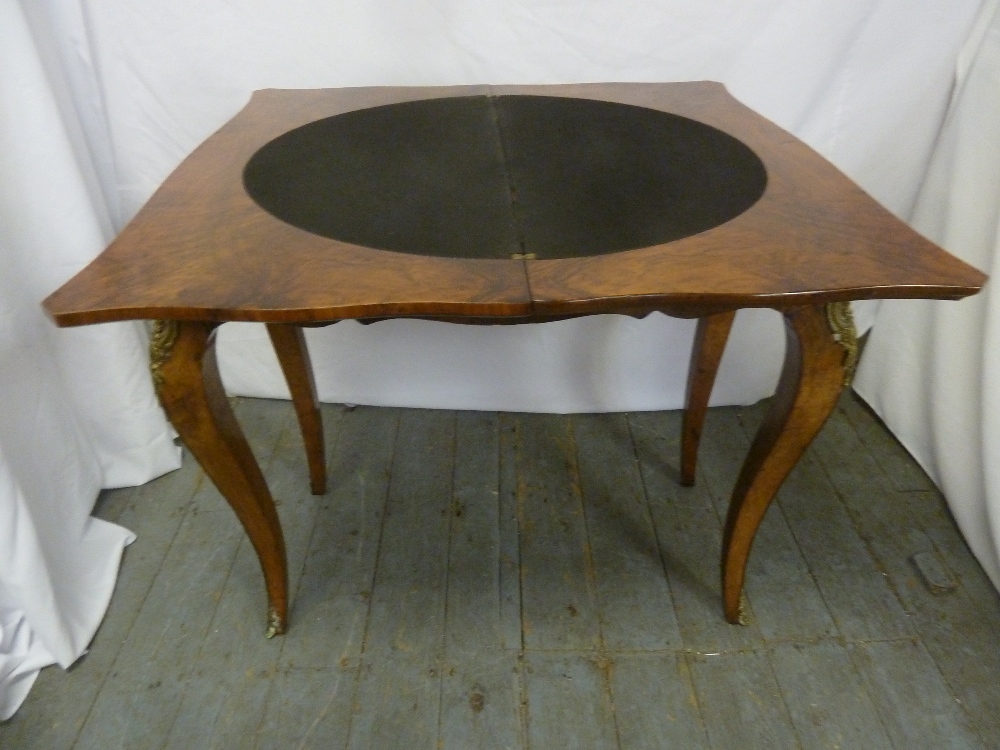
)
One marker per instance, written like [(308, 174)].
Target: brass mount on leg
[(841, 322), (161, 343)]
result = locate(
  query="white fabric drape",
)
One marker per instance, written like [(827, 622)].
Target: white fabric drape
[(932, 369), (101, 99), (76, 409), (864, 81)]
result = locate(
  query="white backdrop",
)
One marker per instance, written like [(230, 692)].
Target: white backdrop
[(864, 81), (77, 411), (932, 369), (104, 97)]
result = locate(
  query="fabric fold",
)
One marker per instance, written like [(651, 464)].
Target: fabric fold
[(77, 410), (931, 370)]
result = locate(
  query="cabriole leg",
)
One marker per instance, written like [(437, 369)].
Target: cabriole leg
[(813, 376), (290, 346), (187, 381), (709, 344)]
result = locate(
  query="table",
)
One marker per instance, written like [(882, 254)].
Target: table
[(502, 204)]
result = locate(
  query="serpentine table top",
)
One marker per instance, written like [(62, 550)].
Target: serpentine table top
[(503, 204)]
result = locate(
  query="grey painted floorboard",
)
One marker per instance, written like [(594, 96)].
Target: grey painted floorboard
[(536, 581), (330, 606), (397, 703), (639, 616), (481, 701), (408, 597), (473, 612), (480, 681), (569, 702), (912, 699), (398, 689), (826, 697), (509, 536), (689, 533), (655, 702), (559, 607), (904, 473), (308, 709), (741, 702)]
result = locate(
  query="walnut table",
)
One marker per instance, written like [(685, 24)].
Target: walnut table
[(510, 204)]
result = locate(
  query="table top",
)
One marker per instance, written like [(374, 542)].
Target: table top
[(506, 203)]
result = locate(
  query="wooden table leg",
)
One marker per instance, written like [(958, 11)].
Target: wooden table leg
[(709, 344), (187, 381), (813, 376), (290, 345)]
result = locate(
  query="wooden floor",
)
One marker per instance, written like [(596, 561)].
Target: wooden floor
[(474, 580)]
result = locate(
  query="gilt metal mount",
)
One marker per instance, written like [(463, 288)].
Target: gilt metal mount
[(275, 624), (161, 344), (841, 322)]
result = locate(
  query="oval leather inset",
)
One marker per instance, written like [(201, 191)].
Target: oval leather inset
[(492, 177)]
